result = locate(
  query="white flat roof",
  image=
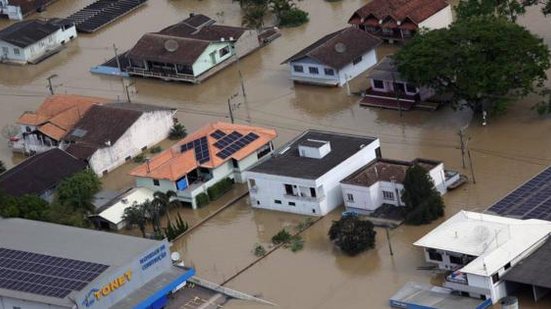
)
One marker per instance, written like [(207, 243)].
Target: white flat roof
[(115, 212), (494, 240)]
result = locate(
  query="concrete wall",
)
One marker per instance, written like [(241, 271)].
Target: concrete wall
[(130, 144), (441, 19), (269, 188), (439, 178), (205, 62), (350, 71), (164, 185), (247, 43), (306, 63)]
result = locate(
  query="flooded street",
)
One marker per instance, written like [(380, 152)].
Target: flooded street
[(511, 149)]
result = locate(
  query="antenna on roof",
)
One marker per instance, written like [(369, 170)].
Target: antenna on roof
[(340, 48), (171, 45)]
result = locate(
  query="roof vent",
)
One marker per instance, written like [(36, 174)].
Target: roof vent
[(171, 45), (340, 48), (315, 149)]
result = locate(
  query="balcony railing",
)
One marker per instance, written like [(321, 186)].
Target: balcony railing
[(162, 74), (304, 198)]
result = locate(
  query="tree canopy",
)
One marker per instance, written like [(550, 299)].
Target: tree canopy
[(509, 9), (27, 206), (423, 203), (480, 62), (285, 11), (78, 190), (352, 235)]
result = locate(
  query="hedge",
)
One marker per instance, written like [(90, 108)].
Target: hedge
[(201, 199), (218, 189)]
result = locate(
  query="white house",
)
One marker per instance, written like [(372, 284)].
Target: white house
[(399, 20), (380, 182), (304, 175), (109, 135), (217, 151), (478, 250), (111, 215), (11, 11), (335, 59), (34, 40)]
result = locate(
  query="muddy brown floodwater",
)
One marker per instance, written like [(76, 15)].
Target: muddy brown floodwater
[(508, 151)]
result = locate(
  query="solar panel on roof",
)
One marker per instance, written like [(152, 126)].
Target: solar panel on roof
[(218, 134), (43, 274)]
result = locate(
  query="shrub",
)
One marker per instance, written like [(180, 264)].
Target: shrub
[(156, 149), (178, 131), (173, 230), (352, 235), (304, 224), (281, 237), (259, 250), (202, 199), (139, 158), (293, 18), (218, 189), (297, 243)]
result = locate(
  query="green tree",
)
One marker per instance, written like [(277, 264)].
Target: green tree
[(153, 212), (136, 215), (28, 206), (178, 131), (65, 214), (481, 62), (78, 190), (253, 16), (352, 235), (165, 201), (2, 167), (423, 202), (509, 9)]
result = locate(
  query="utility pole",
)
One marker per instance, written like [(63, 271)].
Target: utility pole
[(471, 163), (115, 50), (388, 239), (242, 85), (462, 143), (127, 92), (50, 86), (230, 107), (395, 84)]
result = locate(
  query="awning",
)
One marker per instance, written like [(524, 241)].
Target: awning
[(153, 294)]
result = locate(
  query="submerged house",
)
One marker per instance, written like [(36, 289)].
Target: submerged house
[(381, 182), (110, 135), (388, 89), (399, 20), (18, 9), (34, 40), (304, 175), (45, 128), (215, 152), (335, 59), (190, 50), (40, 174)]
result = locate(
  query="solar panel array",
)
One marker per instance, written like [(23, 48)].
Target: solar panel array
[(236, 145), (531, 200), (201, 148), (228, 139), (217, 134), (44, 274)]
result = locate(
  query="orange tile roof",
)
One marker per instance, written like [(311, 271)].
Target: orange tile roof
[(60, 111), (172, 165)]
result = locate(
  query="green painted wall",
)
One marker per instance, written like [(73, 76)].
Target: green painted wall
[(205, 61)]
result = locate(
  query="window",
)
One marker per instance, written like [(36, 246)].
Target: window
[(456, 260), (292, 204), (507, 266), (28, 129), (235, 163), (257, 202), (16, 51), (378, 84), (388, 31), (5, 50), (264, 150), (435, 256), (156, 182), (313, 192), (298, 68), (313, 70), (357, 60), (410, 88), (329, 71), (313, 211), (350, 197), (277, 201), (387, 195), (495, 278), (289, 189), (224, 51), (252, 183), (51, 39)]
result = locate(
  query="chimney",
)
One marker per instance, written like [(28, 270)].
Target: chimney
[(315, 149)]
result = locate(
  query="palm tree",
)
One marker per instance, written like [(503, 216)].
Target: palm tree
[(165, 202), (177, 131), (136, 215)]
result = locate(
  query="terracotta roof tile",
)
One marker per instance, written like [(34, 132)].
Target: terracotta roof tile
[(416, 10), (172, 164)]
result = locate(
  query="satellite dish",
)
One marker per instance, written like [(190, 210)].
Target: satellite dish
[(340, 48), (171, 45), (175, 256)]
